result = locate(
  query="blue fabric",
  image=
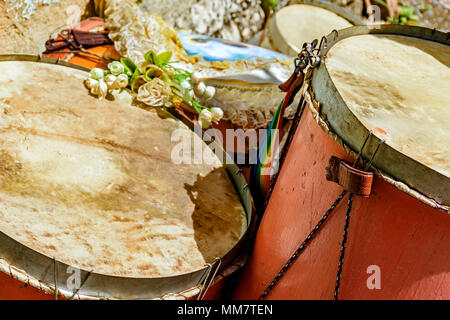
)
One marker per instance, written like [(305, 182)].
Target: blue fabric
[(216, 49)]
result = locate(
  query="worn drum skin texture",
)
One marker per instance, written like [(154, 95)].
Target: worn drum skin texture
[(407, 239)]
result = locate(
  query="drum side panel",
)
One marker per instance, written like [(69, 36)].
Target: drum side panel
[(12, 289), (300, 198), (405, 238)]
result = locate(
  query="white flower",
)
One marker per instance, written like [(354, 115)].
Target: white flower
[(116, 68), (204, 123), (90, 83), (185, 85), (121, 81), (96, 73), (188, 95), (100, 90), (205, 118), (155, 93), (209, 93), (199, 89), (196, 77), (186, 90), (110, 81), (216, 114)]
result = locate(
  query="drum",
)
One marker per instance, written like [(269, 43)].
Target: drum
[(296, 24), (93, 202), (373, 229)]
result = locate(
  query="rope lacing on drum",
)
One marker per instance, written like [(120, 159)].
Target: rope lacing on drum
[(81, 285), (55, 279), (317, 228), (206, 281)]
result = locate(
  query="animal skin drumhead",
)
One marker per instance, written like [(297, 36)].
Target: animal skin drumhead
[(296, 24), (92, 182), (398, 86)]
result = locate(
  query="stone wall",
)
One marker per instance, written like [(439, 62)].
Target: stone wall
[(23, 35)]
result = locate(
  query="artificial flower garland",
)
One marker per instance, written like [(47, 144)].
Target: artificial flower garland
[(157, 84)]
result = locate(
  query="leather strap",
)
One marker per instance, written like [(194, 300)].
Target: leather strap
[(351, 179)]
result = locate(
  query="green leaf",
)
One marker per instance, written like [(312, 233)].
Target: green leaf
[(129, 65), (179, 77), (164, 58), (134, 77), (197, 106), (151, 57)]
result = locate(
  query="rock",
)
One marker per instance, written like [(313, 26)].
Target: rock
[(235, 20), (22, 35)]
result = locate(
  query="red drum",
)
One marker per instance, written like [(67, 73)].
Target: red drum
[(381, 93), (92, 203)]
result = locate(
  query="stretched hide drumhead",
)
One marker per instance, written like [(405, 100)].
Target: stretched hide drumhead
[(92, 184), (296, 24), (399, 87)]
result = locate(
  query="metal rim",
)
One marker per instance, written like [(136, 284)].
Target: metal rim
[(235, 175), (349, 16)]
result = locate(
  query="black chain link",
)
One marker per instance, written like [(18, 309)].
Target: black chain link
[(303, 245)]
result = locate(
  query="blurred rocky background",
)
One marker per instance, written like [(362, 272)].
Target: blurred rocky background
[(240, 20), (26, 24)]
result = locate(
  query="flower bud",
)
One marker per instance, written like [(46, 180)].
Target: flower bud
[(116, 68), (204, 123), (199, 89), (185, 85), (90, 83), (196, 77), (205, 118), (216, 114), (121, 81), (110, 81), (209, 93), (96, 73), (102, 89)]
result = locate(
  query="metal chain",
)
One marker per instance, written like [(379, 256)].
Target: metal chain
[(303, 245), (343, 246)]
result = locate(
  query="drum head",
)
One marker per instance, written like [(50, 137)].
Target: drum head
[(296, 24), (394, 83), (93, 184)]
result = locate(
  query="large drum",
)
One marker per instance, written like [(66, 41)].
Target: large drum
[(381, 93), (305, 21), (92, 203)]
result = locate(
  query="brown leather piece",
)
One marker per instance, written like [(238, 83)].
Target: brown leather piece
[(295, 77), (351, 179)]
